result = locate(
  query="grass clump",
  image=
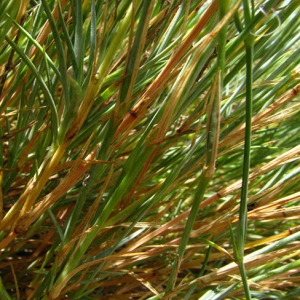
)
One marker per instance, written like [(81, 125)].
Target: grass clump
[(150, 149)]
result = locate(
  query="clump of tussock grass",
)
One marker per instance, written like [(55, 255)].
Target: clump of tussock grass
[(149, 149)]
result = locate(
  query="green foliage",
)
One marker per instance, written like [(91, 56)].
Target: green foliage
[(150, 149)]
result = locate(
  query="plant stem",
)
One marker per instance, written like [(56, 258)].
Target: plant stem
[(242, 224)]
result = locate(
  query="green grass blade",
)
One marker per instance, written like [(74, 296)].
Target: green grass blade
[(3, 293), (137, 47), (60, 52), (48, 96), (243, 214)]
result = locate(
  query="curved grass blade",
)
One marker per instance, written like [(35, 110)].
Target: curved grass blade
[(48, 96)]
